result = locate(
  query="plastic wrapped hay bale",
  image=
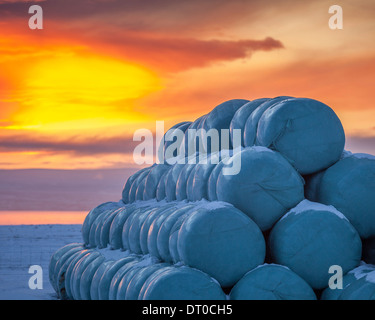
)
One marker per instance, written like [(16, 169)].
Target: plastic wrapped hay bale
[(96, 227), (189, 184), (62, 272), (173, 236), (128, 184), (160, 189), (56, 261), (242, 114), (116, 278), (251, 125), (361, 289), (311, 238), (87, 276), (312, 181), (139, 278), (154, 230), (137, 181), (94, 237), (120, 280), (68, 294), (93, 215), (181, 192), (305, 131), (57, 273), (265, 188), (139, 193), (196, 184), (202, 172), (182, 284), (110, 272), (118, 224), (146, 225), (79, 268), (140, 211), (214, 175), (115, 230), (191, 143), (135, 230), (272, 282), (170, 139), (221, 241), (150, 278), (105, 228), (171, 181), (347, 280), (164, 231), (220, 118), (56, 257), (152, 180), (94, 288), (349, 185)]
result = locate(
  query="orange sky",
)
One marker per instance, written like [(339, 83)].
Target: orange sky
[(72, 94)]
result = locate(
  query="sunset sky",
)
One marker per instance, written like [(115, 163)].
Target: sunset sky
[(72, 94)]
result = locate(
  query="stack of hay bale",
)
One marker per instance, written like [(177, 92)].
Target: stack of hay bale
[(298, 206)]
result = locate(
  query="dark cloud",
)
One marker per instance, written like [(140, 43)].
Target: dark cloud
[(60, 190), (30, 2), (176, 54), (72, 9), (91, 146), (360, 144), (120, 144)]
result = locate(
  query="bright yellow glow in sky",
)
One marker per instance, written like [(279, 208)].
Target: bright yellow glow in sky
[(72, 88)]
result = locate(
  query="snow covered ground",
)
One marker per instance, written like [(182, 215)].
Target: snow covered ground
[(22, 246)]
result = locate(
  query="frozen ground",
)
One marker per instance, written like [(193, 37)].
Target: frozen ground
[(24, 245)]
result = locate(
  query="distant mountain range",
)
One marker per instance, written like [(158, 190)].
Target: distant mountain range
[(60, 190)]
